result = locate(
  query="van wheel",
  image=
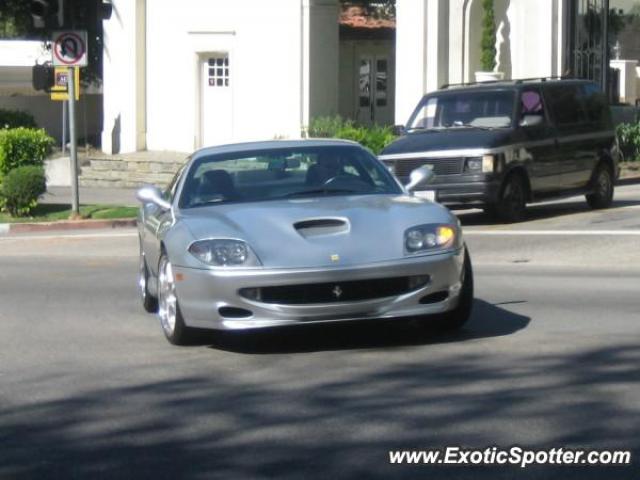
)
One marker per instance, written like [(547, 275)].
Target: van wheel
[(512, 204), (602, 185)]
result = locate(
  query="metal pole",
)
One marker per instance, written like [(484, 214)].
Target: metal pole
[(75, 198), (64, 126)]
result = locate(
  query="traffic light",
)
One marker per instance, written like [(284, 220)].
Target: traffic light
[(47, 13), (42, 77)]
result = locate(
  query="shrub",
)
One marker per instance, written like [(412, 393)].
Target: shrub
[(23, 146), (21, 189), (375, 138), (629, 138), (16, 119), (488, 42)]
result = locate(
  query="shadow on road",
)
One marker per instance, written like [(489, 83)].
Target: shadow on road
[(273, 419), (539, 212), (487, 321)]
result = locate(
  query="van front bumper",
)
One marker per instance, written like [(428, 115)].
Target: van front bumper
[(465, 190)]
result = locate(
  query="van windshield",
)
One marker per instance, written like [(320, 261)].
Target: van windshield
[(478, 109)]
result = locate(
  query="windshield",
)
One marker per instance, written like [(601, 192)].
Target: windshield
[(479, 109), (284, 173)]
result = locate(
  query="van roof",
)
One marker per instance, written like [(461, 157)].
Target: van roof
[(513, 83)]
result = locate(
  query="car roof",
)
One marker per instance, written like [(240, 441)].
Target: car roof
[(273, 145)]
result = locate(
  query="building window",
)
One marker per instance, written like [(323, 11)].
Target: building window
[(219, 71)]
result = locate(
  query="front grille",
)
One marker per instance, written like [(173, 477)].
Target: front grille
[(334, 292), (441, 166)]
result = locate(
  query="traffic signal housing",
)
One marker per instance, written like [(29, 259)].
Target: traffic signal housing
[(42, 77), (47, 13)]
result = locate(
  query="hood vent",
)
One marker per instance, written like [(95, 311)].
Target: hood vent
[(321, 226)]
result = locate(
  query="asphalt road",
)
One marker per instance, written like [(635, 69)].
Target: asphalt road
[(89, 388)]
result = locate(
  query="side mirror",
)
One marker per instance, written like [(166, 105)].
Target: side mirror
[(398, 130), (531, 120), (151, 194), (420, 177)]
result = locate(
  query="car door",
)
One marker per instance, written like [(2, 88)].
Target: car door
[(539, 138), (570, 117)]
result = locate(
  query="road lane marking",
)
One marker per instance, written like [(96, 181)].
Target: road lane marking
[(63, 236), (568, 233)]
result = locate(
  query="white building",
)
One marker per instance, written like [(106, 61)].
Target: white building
[(181, 75)]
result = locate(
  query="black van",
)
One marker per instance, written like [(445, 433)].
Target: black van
[(501, 145)]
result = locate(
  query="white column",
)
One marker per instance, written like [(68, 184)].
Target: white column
[(422, 51), (628, 79), (411, 56), (124, 82)]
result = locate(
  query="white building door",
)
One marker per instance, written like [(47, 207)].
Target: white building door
[(373, 101), (216, 108)]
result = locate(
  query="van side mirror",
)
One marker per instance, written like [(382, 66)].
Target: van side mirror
[(420, 177), (399, 130), (151, 194), (531, 120)]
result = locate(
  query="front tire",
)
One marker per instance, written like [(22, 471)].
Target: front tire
[(602, 184), (171, 320), (512, 204), (459, 316), (149, 302)]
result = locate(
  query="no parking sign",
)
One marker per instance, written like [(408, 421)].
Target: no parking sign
[(69, 48)]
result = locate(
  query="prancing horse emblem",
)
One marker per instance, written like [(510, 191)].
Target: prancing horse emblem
[(337, 291)]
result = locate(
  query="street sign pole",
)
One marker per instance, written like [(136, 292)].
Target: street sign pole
[(64, 127), (73, 149)]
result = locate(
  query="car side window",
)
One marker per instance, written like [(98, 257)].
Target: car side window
[(170, 191), (565, 105), (531, 107)]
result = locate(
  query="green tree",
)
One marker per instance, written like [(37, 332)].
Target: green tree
[(488, 42), (16, 23)]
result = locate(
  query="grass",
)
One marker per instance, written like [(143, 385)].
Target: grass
[(51, 212)]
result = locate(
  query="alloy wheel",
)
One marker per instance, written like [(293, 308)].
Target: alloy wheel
[(167, 299)]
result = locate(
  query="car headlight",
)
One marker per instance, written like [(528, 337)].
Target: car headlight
[(224, 253), (426, 238), (484, 164)]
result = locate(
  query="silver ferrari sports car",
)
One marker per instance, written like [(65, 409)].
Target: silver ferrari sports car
[(294, 232)]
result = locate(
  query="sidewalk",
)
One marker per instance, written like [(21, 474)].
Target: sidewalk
[(93, 195)]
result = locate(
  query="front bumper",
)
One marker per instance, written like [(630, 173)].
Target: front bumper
[(202, 293), (465, 190)]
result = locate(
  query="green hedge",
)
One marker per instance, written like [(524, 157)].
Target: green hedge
[(629, 138), (374, 138), (21, 189), (16, 119), (23, 146)]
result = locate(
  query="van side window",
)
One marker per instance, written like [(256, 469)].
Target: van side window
[(565, 105), (596, 105), (531, 107)]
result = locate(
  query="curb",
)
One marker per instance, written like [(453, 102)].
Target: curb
[(10, 228), (628, 180)]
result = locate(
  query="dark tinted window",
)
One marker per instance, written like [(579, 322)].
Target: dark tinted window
[(565, 104), (596, 105)]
